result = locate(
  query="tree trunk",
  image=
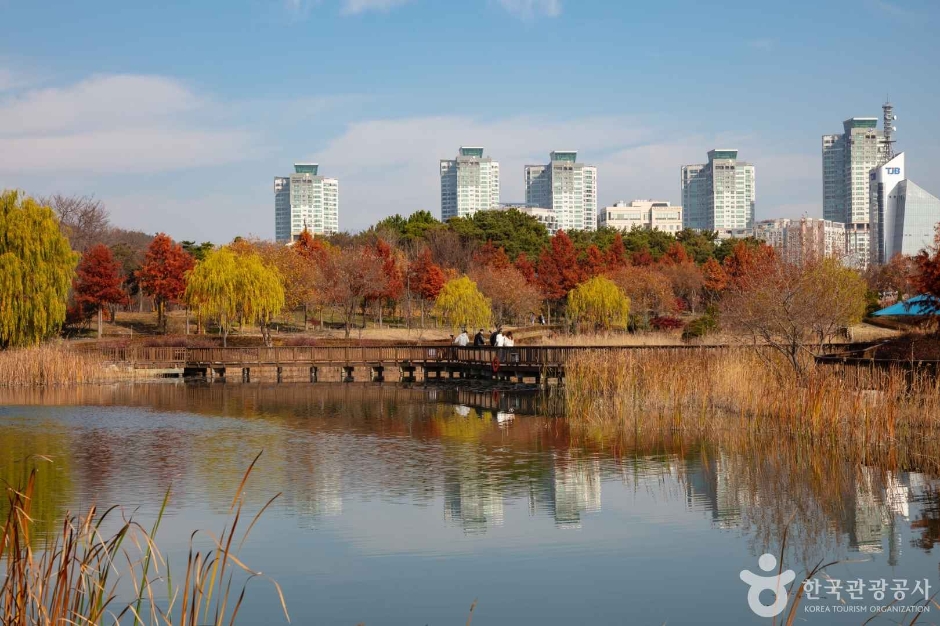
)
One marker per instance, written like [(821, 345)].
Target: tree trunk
[(100, 324), (187, 320), (305, 317)]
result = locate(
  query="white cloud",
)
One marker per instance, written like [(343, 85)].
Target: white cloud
[(354, 7), (114, 123), (532, 8), (389, 166)]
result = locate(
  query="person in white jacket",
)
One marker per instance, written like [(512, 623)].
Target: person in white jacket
[(500, 339), (462, 339)]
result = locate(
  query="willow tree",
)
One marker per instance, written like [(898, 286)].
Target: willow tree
[(235, 288), (600, 302), (36, 269), (460, 304)]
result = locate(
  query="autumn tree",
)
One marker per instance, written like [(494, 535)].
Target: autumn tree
[(461, 305), (36, 269), (512, 297), (715, 279), (526, 268), (896, 276), (617, 253), (687, 282), (649, 291), (163, 274), (789, 307), (235, 288), (98, 282), (559, 271), (600, 303), (394, 283), (593, 262), (347, 277), (927, 276), (424, 281)]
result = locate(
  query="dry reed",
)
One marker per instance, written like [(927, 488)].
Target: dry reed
[(735, 393), (57, 364), (77, 573)]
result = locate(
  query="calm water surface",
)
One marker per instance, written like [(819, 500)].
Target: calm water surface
[(402, 506)]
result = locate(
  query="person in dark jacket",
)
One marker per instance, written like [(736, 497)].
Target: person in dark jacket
[(493, 337), (478, 339)]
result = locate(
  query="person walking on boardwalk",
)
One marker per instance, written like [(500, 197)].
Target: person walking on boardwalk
[(509, 342), (500, 338), (462, 339), (493, 337), (478, 339)]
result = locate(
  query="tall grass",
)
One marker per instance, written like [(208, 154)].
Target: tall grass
[(78, 573), (56, 364), (734, 394)]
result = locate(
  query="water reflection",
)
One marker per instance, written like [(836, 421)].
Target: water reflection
[(394, 470)]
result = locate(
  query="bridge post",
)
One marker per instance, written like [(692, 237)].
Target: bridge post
[(246, 375), (407, 373), (377, 374), (313, 374), (220, 372), (348, 371), (280, 371)]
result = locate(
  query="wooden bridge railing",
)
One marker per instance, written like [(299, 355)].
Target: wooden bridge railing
[(533, 356)]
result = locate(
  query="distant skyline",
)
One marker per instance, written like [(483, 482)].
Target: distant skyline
[(178, 115)]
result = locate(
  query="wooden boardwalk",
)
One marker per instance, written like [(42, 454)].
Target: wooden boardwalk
[(540, 363)]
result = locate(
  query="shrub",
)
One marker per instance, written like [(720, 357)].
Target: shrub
[(666, 322), (700, 326)]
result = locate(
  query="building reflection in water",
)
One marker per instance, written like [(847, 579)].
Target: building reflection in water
[(475, 450)]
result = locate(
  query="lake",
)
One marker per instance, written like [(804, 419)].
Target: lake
[(403, 505)]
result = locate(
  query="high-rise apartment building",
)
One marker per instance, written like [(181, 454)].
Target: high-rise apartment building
[(718, 195), (567, 188), (469, 183), (847, 161), (903, 215), (305, 201), (648, 214)]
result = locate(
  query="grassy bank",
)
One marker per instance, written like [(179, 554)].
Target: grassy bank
[(56, 364), (737, 395)]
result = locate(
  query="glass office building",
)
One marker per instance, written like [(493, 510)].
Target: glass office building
[(903, 215)]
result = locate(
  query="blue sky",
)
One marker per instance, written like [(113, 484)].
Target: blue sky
[(179, 114)]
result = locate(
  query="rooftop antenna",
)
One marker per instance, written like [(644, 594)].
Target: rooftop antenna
[(889, 128)]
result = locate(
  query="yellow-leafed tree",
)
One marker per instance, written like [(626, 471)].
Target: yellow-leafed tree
[(600, 302), (460, 304), (36, 270), (235, 288)]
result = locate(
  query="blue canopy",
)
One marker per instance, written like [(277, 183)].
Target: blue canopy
[(917, 306)]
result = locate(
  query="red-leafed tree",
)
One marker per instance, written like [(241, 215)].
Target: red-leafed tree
[(617, 253), (310, 248), (491, 256), (98, 282), (747, 260), (163, 274), (559, 271), (642, 258), (394, 282), (927, 277), (715, 278), (425, 281), (594, 262), (526, 268), (675, 254)]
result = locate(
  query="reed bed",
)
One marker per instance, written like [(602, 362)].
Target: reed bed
[(77, 574), (721, 395), (57, 364)]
